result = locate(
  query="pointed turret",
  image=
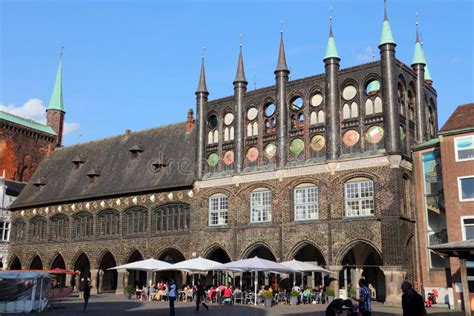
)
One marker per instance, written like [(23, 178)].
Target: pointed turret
[(202, 87), (240, 76), (55, 111), (201, 104), (56, 102), (418, 55), (282, 66), (331, 50), (391, 112), (387, 37), (428, 78)]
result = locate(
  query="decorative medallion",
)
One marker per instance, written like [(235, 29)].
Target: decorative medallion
[(191, 193), (317, 142), (374, 134), (152, 198), (296, 146), (252, 154), (316, 100), (228, 157), (270, 151), (349, 93), (252, 114), (102, 204), (180, 195), (228, 118), (170, 196), (134, 200), (350, 138), (212, 160)]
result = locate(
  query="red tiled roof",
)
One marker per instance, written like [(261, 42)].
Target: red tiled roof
[(463, 117)]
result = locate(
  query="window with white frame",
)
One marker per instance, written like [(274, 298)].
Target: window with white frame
[(261, 206), (4, 231), (464, 147), (466, 188), (218, 210), (359, 197), (468, 227), (306, 202)]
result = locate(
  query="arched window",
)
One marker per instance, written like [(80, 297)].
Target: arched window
[(411, 106), (231, 133), (346, 111), (171, 218), (38, 228), (354, 110), (369, 107), (59, 227), (136, 221), (313, 118), (83, 225), (19, 231), (306, 202), (218, 210), (226, 134), (378, 105), (216, 137), (108, 223), (213, 135), (401, 98), (210, 138), (431, 119), (255, 129), (261, 206), (359, 197), (321, 118)]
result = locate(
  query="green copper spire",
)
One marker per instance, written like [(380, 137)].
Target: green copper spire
[(56, 102), (387, 37), (331, 50), (427, 74), (418, 55)]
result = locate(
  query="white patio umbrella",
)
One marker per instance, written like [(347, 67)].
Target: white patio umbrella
[(147, 265), (195, 265), (305, 267), (255, 264)]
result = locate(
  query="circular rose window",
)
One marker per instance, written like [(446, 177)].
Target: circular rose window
[(252, 114), (229, 157), (316, 99), (228, 118), (349, 93), (296, 146)]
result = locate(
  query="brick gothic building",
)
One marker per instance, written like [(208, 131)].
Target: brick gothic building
[(23, 144), (317, 169)]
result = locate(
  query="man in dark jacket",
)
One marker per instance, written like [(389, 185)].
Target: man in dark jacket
[(412, 302), (337, 306)]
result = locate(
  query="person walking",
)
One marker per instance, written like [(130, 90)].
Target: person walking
[(172, 296), (412, 302), (200, 296), (87, 292), (365, 301)]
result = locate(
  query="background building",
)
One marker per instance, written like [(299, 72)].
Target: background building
[(317, 169), (445, 185)]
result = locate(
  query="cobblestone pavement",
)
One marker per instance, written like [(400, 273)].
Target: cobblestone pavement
[(117, 305)]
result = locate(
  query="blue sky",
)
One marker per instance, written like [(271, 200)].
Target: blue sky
[(135, 64)]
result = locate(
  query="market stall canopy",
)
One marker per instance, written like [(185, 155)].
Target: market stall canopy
[(304, 266), (460, 249), (144, 265), (255, 264), (194, 265)]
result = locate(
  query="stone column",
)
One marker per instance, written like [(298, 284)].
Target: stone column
[(100, 280), (394, 276), (68, 280), (357, 277), (94, 276), (122, 276), (334, 284)]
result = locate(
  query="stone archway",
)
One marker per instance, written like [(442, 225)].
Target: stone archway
[(15, 264), (217, 277), (58, 263), (260, 251), (107, 280), (82, 266), (362, 260), (310, 253), (135, 277), (263, 252), (36, 263), (170, 255)]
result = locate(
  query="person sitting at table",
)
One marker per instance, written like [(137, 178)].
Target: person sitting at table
[(210, 294), (162, 290), (307, 296), (227, 295), (238, 294), (138, 292)]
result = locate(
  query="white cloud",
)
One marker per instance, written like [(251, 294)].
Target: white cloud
[(34, 109)]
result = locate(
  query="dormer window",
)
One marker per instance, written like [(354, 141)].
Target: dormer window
[(135, 150), (93, 175), (40, 182), (157, 164), (77, 161)]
